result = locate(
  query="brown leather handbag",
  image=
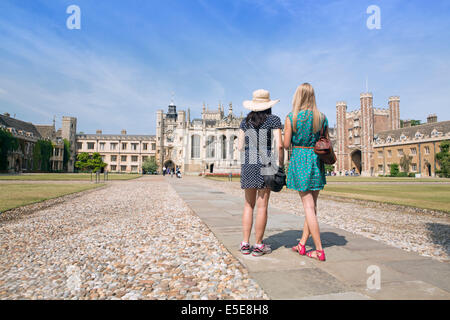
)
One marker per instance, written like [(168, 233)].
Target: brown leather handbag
[(324, 148)]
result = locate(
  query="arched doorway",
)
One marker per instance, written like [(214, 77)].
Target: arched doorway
[(169, 164), (356, 161)]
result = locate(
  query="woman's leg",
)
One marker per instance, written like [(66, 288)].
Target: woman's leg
[(247, 217), (306, 232), (261, 217), (309, 200)]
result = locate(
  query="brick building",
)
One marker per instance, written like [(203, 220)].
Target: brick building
[(355, 132)]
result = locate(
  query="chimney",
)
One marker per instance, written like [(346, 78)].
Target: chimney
[(123, 132), (432, 118), (99, 132), (406, 123)]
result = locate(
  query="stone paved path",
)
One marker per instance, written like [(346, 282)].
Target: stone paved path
[(286, 275)]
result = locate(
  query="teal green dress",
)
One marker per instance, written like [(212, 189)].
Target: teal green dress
[(306, 170)]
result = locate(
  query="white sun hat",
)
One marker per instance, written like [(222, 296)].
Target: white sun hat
[(261, 101)]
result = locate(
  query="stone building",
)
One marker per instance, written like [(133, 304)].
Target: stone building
[(421, 143), (205, 145), (28, 134), (123, 153), (355, 132)]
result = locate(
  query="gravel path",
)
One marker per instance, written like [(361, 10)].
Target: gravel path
[(426, 234), (132, 240)]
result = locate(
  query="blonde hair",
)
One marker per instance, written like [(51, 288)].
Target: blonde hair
[(305, 99)]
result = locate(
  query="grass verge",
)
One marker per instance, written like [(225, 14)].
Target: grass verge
[(433, 197), (17, 195), (66, 177)]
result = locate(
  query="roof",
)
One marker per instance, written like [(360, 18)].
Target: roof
[(428, 130), (19, 125), (46, 131), (127, 137)]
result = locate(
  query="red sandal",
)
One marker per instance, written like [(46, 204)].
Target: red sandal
[(320, 255), (300, 248)]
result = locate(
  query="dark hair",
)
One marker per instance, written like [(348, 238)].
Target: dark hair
[(257, 118)]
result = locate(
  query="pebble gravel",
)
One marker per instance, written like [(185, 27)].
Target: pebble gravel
[(130, 240)]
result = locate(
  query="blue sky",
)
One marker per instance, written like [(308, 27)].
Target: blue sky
[(129, 56)]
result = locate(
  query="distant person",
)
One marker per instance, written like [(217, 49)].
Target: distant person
[(306, 170), (164, 171), (259, 124)]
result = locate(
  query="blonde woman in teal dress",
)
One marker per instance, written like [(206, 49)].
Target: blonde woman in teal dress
[(306, 171)]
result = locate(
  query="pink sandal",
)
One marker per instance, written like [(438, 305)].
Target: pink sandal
[(320, 255), (300, 248)]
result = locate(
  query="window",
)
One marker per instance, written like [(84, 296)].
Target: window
[(400, 152), (414, 167), (145, 158), (134, 146), (389, 153), (113, 158), (427, 150), (380, 168), (91, 145), (153, 146), (79, 145), (145, 146), (134, 158), (134, 169), (113, 146), (124, 146), (413, 151), (102, 146), (380, 154), (123, 168), (113, 167), (123, 158), (210, 147), (195, 146)]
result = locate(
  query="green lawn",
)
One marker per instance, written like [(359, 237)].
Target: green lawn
[(21, 194), (384, 179), (66, 177), (435, 197)]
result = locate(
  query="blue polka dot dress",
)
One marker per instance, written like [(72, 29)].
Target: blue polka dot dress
[(306, 170), (251, 162)]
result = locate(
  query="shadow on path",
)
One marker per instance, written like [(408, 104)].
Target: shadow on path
[(290, 238)]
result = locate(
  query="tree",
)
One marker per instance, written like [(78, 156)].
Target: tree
[(150, 165), (96, 162), (443, 158), (329, 168), (90, 163), (8, 143), (405, 162), (82, 162), (394, 170)]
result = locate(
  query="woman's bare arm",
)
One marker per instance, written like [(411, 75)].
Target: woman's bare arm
[(279, 146), (287, 133)]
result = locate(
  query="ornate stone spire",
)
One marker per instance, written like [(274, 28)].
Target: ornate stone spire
[(230, 108)]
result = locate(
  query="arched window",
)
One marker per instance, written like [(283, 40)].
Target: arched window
[(211, 147), (195, 147), (224, 147)]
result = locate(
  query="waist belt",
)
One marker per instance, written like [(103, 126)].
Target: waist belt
[(301, 147)]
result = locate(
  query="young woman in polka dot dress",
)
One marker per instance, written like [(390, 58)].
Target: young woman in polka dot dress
[(306, 171), (255, 139)]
